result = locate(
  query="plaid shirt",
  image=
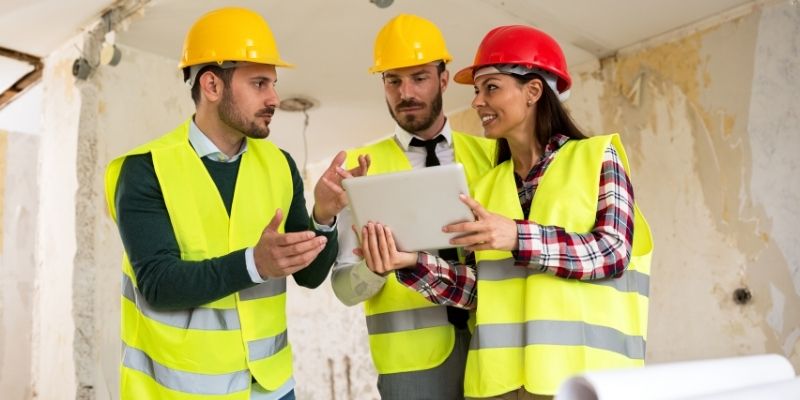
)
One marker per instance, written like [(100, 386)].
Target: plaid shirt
[(602, 253)]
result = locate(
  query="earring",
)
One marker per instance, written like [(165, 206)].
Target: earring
[(530, 102)]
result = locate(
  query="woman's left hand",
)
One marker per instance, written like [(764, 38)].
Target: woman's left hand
[(489, 231)]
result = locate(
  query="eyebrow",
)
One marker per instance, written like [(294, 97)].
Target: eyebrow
[(263, 78)]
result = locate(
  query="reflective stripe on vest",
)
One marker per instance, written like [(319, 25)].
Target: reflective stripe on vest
[(564, 333), (245, 331), (208, 319), (398, 318), (526, 318), (186, 382), (263, 348), (406, 320), (498, 270)]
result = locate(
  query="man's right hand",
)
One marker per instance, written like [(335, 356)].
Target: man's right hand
[(281, 254)]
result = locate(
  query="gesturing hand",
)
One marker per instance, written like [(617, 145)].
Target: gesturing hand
[(380, 252), (329, 195), (489, 231), (281, 254)]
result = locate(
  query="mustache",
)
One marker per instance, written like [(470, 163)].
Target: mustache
[(267, 112), (410, 103)]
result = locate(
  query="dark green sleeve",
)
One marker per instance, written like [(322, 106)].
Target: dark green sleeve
[(166, 281), (298, 219)]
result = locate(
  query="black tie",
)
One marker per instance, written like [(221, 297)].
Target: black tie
[(457, 317), (430, 149)]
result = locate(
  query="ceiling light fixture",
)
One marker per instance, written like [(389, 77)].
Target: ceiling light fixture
[(382, 3), (300, 104)]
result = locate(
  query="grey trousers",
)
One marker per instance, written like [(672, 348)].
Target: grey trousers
[(445, 382), (519, 394)]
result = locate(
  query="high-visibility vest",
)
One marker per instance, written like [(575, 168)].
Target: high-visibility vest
[(215, 350), (534, 329), (406, 331)]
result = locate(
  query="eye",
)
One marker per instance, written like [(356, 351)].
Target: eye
[(420, 78), (491, 87)]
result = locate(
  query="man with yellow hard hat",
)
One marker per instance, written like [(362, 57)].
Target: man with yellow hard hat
[(213, 220), (418, 348)]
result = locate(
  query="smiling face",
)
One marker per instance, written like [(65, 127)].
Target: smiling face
[(248, 104), (414, 97), (505, 106)]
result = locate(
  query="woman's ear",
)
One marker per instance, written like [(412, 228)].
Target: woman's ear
[(533, 91)]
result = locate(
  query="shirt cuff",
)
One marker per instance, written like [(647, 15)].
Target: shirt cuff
[(250, 260), (324, 228), (529, 243), (363, 274)]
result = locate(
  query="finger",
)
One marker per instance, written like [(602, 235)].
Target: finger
[(357, 233), (303, 246), (343, 173), (469, 239), (291, 238), (336, 189), (338, 160), (473, 205), (374, 250), (300, 261), (364, 162), (384, 247), (390, 239), (358, 252), (365, 248), (459, 227), (275, 222)]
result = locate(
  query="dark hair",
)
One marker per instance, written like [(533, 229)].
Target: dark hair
[(224, 74), (551, 118), (440, 67)]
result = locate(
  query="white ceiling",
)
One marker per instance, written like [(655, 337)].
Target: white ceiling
[(330, 41)]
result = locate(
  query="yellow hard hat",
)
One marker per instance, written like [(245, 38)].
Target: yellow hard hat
[(230, 34), (408, 40)]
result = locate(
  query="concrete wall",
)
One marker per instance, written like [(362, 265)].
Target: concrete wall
[(709, 120), (18, 210)]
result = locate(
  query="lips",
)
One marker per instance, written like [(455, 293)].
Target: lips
[(487, 119)]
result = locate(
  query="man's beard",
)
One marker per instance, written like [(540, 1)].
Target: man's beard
[(411, 123), (230, 115)]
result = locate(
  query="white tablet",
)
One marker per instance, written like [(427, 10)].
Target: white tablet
[(415, 204)]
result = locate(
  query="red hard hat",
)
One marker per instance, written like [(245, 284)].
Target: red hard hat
[(519, 45)]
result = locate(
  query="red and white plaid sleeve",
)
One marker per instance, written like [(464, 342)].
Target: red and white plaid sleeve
[(440, 281), (602, 253)]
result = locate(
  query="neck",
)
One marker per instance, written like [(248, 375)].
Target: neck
[(433, 130), (525, 152), (227, 139)]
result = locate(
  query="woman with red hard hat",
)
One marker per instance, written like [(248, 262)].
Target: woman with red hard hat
[(556, 273)]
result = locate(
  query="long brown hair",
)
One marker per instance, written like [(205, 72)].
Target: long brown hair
[(551, 118)]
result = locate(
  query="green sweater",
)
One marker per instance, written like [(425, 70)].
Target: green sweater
[(165, 280)]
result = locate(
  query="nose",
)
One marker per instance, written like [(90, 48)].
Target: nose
[(272, 99), (406, 90), (478, 102)]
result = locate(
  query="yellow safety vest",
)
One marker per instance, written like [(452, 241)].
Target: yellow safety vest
[(535, 329), (213, 351), (406, 331)]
